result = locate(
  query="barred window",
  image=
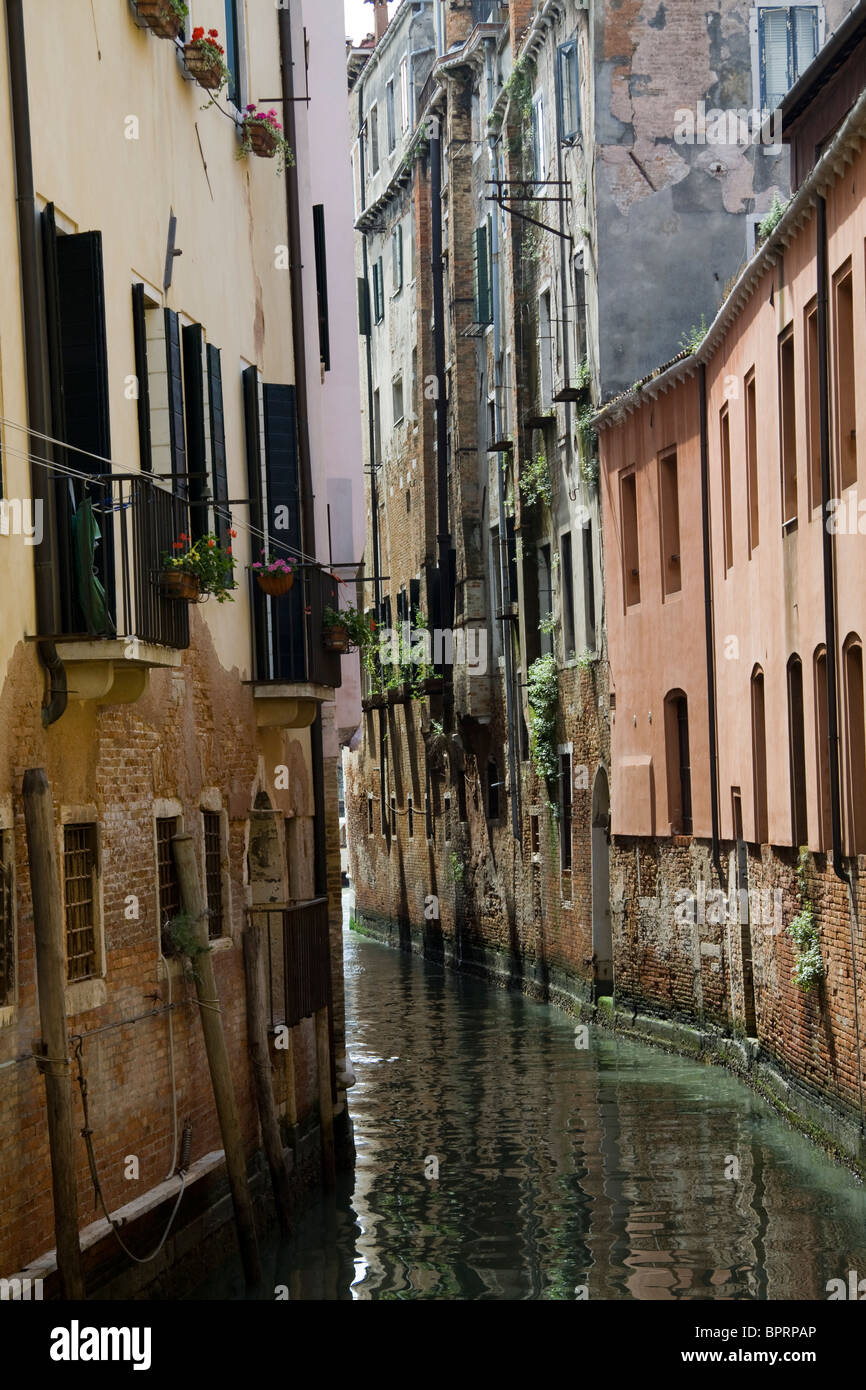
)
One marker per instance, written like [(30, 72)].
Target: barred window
[(213, 870), (80, 888), (169, 886), (7, 934)]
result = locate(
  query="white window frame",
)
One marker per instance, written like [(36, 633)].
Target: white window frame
[(405, 96), (539, 144), (755, 45)]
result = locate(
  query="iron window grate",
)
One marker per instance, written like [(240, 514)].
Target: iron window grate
[(169, 886), (79, 879), (213, 870)]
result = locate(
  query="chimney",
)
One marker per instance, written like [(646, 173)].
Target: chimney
[(458, 22), (521, 13), (380, 14)]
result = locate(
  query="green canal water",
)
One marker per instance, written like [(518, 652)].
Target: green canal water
[(608, 1172)]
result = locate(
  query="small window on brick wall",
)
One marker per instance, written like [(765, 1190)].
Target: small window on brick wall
[(369, 813), (80, 886), (167, 880), (213, 861), (410, 819)]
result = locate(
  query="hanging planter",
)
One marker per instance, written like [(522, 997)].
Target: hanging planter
[(263, 136), (275, 583), (335, 639), (204, 56), (180, 584), (163, 17)]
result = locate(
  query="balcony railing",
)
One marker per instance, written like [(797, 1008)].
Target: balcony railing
[(298, 959), (113, 531), (287, 631)]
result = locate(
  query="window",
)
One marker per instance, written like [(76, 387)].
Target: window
[(797, 753), (428, 817), (446, 806), (545, 351), (855, 718), (390, 118), (670, 520), (539, 153), (397, 398), (7, 921), (565, 795), (168, 884), (140, 306), (405, 97), (545, 599), (631, 571), (80, 889), (759, 756), (822, 748), (462, 815), (322, 284), (213, 872), (787, 43), (377, 428), (588, 587), (481, 272), (567, 594), (678, 764), (752, 460), (378, 291), (787, 428), (369, 813), (393, 817), (373, 132), (410, 818), (492, 791), (813, 433), (569, 92), (534, 833), (727, 516), (397, 259), (233, 52), (843, 376)]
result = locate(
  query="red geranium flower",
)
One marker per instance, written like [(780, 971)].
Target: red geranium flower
[(178, 545), (211, 544)]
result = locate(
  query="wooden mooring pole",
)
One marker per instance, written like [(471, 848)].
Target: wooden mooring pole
[(257, 1042), (218, 1058), (326, 1106), (49, 935)]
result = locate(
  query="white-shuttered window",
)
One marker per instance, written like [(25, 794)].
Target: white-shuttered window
[(787, 44)]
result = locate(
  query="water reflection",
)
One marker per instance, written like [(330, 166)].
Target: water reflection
[(562, 1172)]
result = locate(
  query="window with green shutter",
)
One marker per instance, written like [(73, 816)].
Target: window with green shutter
[(483, 296)]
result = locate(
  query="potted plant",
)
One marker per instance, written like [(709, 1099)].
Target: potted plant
[(274, 573), (163, 17), (204, 56), (263, 136), (198, 569), (345, 628)]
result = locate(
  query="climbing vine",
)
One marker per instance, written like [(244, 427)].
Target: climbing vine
[(809, 968), (535, 484), (543, 696)]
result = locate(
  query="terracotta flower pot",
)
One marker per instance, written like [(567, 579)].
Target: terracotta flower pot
[(204, 65), (335, 639), (274, 582), (263, 139), (180, 584), (159, 16)]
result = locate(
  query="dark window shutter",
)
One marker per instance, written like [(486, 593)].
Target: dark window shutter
[(414, 597), (363, 308), (196, 448), (283, 525), (139, 334), (482, 277), (218, 445), (83, 348), (322, 283), (253, 437), (174, 367)]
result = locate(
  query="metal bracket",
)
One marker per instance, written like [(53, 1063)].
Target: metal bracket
[(508, 191)]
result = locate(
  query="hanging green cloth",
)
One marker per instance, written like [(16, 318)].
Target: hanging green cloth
[(90, 593)]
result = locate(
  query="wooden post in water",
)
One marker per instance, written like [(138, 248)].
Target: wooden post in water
[(217, 1056), (49, 934), (257, 1042), (326, 1108)]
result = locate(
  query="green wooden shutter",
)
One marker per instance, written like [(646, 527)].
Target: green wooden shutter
[(176, 434), (222, 517), (139, 334), (363, 307), (196, 445)]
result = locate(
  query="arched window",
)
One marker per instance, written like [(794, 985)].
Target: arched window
[(822, 749), (855, 744), (797, 752), (759, 757), (679, 775)]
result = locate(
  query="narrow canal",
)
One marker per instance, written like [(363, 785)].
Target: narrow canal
[(608, 1172)]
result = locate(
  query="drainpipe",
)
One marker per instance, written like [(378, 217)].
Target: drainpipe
[(374, 498), (443, 534), (299, 349), (708, 618), (830, 638), (504, 585), (36, 368)]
